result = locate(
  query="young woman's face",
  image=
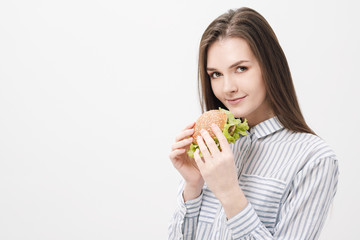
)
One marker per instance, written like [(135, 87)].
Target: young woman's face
[(236, 79)]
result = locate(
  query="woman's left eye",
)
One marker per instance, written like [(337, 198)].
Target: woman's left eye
[(241, 69)]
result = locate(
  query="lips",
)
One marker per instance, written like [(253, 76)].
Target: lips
[(235, 100)]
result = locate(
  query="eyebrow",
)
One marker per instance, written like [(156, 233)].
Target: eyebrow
[(233, 65)]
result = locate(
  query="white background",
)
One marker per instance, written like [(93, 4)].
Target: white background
[(92, 94)]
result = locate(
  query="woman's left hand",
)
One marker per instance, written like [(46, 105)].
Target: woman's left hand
[(217, 167)]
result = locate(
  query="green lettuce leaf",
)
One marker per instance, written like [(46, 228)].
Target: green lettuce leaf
[(233, 124)]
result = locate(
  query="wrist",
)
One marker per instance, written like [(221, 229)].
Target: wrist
[(192, 191), (233, 202)]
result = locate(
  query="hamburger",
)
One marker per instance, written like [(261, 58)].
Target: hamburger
[(231, 127)]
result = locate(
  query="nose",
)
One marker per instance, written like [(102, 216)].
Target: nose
[(230, 84)]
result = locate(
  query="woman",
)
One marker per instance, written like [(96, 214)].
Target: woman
[(275, 183)]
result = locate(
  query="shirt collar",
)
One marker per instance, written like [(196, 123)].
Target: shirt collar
[(266, 127)]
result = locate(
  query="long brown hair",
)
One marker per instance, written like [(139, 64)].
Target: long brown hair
[(248, 24)]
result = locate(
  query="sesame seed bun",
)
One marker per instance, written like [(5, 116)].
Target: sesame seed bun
[(206, 120)]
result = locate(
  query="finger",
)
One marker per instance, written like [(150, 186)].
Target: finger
[(184, 134), (176, 153), (210, 143), (182, 144), (191, 125), (199, 161), (203, 149), (224, 144)]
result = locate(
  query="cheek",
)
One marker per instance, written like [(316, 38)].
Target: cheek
[(261, 94), (216, 88), (257, 86)]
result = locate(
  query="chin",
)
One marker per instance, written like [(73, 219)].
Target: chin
[(237, 113)]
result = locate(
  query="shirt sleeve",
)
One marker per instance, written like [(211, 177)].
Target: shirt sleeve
[(185, 219), (303, 211)]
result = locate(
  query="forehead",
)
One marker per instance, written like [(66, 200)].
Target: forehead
[(225, 52)]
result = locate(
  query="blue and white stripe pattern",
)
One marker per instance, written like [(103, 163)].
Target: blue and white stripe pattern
[(288, 178)]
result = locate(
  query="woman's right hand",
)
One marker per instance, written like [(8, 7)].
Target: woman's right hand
[(185, 165)]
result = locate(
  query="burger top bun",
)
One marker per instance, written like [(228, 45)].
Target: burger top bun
[(206, 120)]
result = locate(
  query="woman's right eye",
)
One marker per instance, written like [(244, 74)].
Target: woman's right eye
[(215, 75)]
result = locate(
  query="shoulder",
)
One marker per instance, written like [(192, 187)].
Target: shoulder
[(317, 147), (311, 147), (303, 152)]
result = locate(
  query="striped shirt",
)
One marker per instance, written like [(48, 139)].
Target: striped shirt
[(288, 178)]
